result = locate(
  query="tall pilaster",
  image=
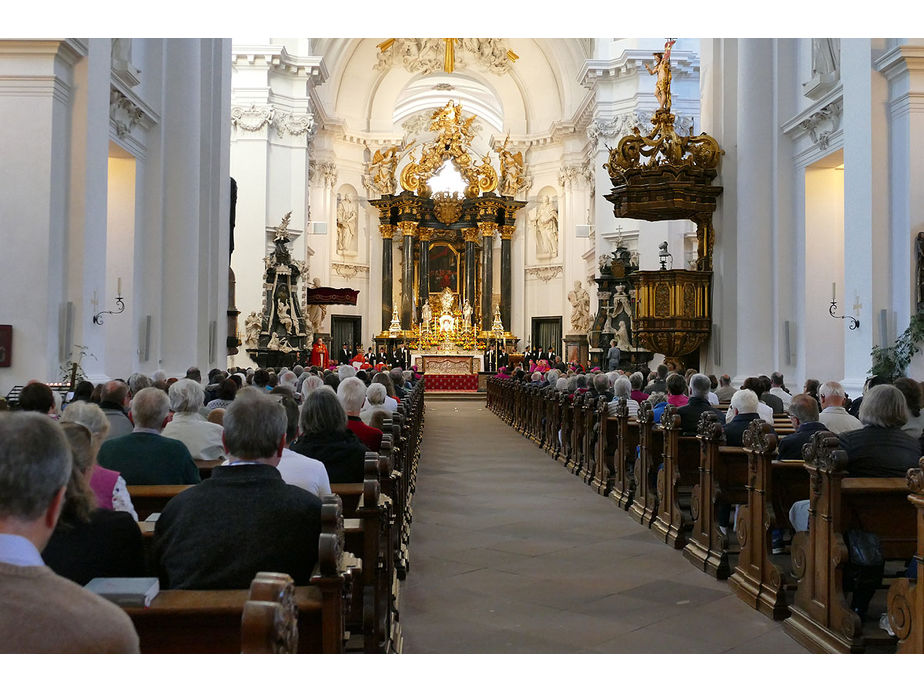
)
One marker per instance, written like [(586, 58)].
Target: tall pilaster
[(36, 90), (755, 218), (506, 273), (903, 66), (487, 230), (471, 237), (387, 231), (867, 182), (408, 231)]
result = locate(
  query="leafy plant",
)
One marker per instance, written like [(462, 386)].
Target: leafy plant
[(892, 361), (67, 367)]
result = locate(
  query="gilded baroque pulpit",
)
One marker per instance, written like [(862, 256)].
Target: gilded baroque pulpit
[(659, 176)]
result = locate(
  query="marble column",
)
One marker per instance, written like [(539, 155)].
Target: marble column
[(387, 231), (470, 236), (487, 230), (408, 231), (423, 266), (506, 272)]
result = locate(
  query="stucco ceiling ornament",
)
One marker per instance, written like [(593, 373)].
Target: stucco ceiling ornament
[(252, 118), (428, 55)]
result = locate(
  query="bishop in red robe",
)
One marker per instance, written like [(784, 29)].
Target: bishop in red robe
[(319, 355)]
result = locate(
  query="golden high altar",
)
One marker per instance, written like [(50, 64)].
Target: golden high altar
[(447, 281)]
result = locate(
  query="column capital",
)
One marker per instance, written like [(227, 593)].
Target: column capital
[(407, 228), (487, 228), (470, 235), (387, 231), (507, 232), (424, 233)]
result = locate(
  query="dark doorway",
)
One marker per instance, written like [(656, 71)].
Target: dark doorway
[(345, 329), (546, 333)]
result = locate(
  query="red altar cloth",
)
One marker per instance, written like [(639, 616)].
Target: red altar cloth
[(434, 381)]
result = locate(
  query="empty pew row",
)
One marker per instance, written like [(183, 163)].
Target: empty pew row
[(679, 485)]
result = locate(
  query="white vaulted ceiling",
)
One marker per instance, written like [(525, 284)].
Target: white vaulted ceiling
[(540, 89)]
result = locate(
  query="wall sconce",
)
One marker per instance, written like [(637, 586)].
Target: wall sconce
[(664, 256), (832, 309), (120, 306)]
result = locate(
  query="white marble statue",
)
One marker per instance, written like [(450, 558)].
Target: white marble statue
[(346, 224), (467, 313), (426, 314), (545, 222), (252, 325), (622, 337), (826, 55), (316, 312), (580, 308)]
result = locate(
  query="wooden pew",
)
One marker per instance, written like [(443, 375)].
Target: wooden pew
[(772, 488), (651, 446), (722, 477), (205, 467), (906, 598), (567, 418), (153, 498), (374, 544), (676, 480), (576, 434), (269, 623), (607, 441), (624, 460), (209, 621), (595, 408), (821, 618)]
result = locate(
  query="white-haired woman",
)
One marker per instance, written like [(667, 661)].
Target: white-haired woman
[(108, 486), (201, 437), (375, 401)]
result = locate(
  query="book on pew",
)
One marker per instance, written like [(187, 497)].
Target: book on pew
[(126, 591)]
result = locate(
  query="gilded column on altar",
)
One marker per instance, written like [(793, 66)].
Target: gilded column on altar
[(408, 230), (470, 236), (388, 232), (423, 269), (487, 229), (506, 283)]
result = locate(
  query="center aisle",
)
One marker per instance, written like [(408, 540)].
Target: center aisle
[(510, 553)]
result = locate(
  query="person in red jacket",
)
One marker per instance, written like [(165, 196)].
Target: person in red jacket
[(352, 394)]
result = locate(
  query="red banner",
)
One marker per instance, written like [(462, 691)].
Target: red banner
[(327, 295), (6, 346)]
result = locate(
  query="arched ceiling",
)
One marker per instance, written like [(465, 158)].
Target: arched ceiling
[(541, 87)]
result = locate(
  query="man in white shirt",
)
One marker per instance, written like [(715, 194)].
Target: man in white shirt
[(776, 388), (833, 415), (299, 470)]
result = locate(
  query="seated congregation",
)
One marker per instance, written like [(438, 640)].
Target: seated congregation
[(799, 500), (296, 487)]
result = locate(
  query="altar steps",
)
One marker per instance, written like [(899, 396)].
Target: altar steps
[(456, 395)]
